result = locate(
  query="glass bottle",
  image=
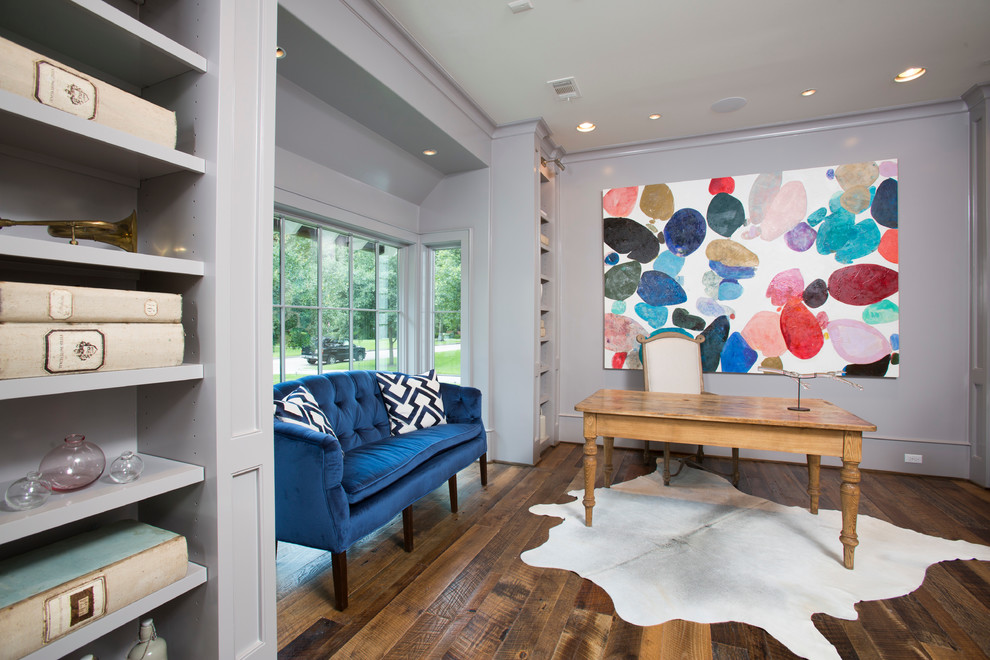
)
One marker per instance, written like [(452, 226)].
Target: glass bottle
[(27, 493), (74, 464), (126, 468)]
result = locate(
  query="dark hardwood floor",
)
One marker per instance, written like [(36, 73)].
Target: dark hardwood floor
[(464, 593)]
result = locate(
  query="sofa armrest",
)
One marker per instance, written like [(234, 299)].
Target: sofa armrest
[(311, 506), (461, 404)]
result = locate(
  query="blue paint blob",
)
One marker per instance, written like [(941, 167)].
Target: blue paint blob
[(711, 349), (612, 258), (659, 289), (801, 238), (863, 240), (830, 174), (835, 231), (884, 206), (895, 342), (732, 272), (655, 316), (737, 356), (708, 307), (835, 202), (619, 307), (669, 263), (685, 231), (729, 290), (816, 218)]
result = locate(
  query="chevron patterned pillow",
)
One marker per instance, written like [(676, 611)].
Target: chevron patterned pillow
[(300, 408), (412, 402)]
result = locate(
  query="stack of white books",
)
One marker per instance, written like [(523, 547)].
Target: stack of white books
[(47, 329)]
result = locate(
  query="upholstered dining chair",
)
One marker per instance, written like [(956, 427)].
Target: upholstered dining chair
[(672, 363)]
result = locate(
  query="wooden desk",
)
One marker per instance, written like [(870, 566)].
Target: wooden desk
[(731, 421)]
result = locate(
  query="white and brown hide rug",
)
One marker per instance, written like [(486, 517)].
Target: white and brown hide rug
[(702, 551)]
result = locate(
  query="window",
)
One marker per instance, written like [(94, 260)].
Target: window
[(446, 315), (335, 290)]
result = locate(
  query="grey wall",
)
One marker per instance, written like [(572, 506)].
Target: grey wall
[(925, 410)]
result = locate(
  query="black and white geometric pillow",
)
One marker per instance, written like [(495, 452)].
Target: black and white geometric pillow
[(300, 408), (412, 402)]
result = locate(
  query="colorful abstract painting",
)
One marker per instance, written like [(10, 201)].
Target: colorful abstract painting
[(793, 270)]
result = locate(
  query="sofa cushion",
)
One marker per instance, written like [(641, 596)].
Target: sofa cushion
[(372, 467), (300, 408), (412, 402)]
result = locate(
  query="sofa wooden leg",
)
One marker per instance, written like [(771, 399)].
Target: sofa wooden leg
[(484, 469), (407, 528), (338, 560), (452, 485)]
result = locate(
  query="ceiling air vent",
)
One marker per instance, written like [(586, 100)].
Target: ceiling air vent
[(565, 88)]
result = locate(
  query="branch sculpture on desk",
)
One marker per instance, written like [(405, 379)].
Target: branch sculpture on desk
[(800, 378)]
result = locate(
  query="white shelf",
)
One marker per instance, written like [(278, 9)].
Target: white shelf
[(30, 248), (195, 576), (17, 388), (28, 125), (104, 37), (160, 475)]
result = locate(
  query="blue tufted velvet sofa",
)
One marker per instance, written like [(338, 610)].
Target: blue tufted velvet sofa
[(331, 492)]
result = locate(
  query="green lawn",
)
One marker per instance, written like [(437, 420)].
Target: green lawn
[(445, 363)]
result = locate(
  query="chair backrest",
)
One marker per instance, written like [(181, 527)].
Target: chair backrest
[(672, 363)]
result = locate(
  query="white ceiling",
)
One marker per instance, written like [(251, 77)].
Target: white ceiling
[(632, 58)]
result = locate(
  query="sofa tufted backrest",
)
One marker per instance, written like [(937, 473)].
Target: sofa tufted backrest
[(352, 402)]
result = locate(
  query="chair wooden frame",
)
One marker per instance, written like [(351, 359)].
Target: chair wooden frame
[(700, 452)]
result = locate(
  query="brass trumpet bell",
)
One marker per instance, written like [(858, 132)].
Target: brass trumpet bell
[(122, 233)]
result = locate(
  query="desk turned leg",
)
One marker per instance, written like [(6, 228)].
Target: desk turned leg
[(590, 449), (814, 481), (609, 442), (849, 491)]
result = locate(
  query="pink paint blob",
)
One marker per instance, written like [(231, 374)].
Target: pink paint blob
[(787, 209), (784, 286), (763, 334), (619, 202), (856, 342), (888, 168)]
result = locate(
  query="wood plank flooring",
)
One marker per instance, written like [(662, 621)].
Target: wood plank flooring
[(463, 593)]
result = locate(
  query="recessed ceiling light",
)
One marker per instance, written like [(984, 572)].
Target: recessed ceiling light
[(730, 104), (907, 75), (280, 52), (586, 127), (429, 152), (809, 92), (655, 116)]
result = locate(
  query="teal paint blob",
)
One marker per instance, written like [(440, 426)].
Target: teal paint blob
[(863, 240), (729, 290), (816, 218), (655, 316), (884, 311), (835, 231), (619, 307), (669, 263)]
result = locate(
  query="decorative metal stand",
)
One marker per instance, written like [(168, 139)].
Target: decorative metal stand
[(800, 378)]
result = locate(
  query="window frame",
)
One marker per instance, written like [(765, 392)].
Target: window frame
[(432, 242)]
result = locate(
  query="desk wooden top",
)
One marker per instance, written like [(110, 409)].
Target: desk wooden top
[(767, 411)]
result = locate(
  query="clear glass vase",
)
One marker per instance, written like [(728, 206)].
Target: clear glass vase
[(29, 492), (126, 468), (74, 464)]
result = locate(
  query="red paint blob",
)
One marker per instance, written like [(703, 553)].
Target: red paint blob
[(801, 331), (862, 284), (618, 360), (725, 184), (888, 246)]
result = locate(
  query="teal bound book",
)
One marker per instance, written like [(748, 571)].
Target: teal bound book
[(58, 588)]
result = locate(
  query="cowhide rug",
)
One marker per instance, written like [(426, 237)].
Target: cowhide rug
[(702, 551)]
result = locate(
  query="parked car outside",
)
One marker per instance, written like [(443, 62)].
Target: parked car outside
[(335, 350)]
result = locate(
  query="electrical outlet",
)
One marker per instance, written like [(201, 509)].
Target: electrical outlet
[(912, 458)]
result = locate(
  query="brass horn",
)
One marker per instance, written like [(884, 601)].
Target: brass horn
[(122, 233)]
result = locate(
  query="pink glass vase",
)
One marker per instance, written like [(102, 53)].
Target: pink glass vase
[(74, 464)]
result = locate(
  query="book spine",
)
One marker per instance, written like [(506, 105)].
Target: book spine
[(24, 302), (34, 76), (30, 624), (43, 349)]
